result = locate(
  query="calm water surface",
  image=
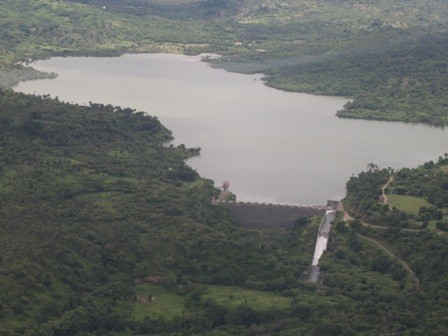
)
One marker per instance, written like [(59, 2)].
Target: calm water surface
[(272, 146)]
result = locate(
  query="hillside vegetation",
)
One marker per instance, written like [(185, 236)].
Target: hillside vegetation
[(390, 56), (93, 201), (105, 231), (414, 221)]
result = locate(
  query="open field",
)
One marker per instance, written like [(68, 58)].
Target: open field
[(154, 301), (232, 297), (406, 203)]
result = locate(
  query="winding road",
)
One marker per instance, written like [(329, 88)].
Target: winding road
[(397, 258), (381, 246), (384, 198)]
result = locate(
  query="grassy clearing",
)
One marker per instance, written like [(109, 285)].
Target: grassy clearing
[(68, 179), (108, 179), (118, 153), (52, 158), (97, 195), (444, 169), (11, 173), (406, 203), (156, 302), (153, 301), (232, 297)]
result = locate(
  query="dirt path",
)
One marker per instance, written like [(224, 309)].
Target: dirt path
[(341, 208), (390, 254), (385, 227), (378, 244), (384, 199), (347, 217)]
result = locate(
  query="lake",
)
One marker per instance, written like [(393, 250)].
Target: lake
[(272, 146)]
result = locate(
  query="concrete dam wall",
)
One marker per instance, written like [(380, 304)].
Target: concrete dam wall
[(270, 216)]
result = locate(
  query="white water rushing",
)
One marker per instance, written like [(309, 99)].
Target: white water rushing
[(321, 246), (322, 236)]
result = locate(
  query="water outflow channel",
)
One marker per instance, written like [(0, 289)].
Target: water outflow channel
[(321, 242)]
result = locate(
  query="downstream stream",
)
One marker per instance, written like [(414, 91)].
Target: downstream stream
[(272, 146)]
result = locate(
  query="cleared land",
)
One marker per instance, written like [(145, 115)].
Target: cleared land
[(156, 302), (232, 297), (406, 203)]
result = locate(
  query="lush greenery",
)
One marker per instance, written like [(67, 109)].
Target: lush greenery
[(92, 200), (406, 203), (429, 181), (421, 250), (390, 57), (233, 297), (156, 301), (104, 230), (403, 81)]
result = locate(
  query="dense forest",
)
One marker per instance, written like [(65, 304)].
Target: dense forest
[(105, 231), (99, 218), (93, 200)]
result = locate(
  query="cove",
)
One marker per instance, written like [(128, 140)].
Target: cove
[(272, 146)]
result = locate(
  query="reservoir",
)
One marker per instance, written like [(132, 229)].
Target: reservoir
[(272, 146)]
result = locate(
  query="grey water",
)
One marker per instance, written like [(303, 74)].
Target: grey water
[(272, 146)]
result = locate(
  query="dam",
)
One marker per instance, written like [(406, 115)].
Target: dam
[(270, 216), (279, 216)]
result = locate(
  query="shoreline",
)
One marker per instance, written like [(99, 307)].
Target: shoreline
[(201, 57)]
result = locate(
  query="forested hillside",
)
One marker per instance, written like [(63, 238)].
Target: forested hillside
[(92, 199), (410, 217), (105, 231)]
